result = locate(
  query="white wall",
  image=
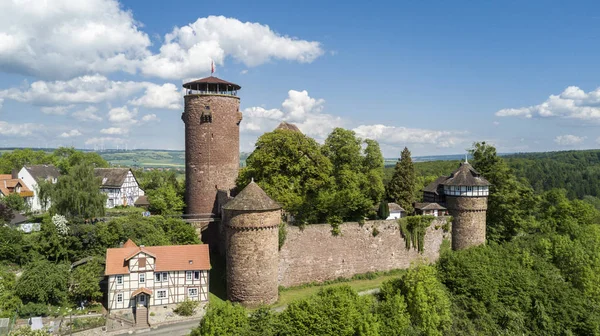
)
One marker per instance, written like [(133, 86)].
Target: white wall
[(32, 184)]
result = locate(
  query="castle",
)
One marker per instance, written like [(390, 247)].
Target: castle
[(245, 228)]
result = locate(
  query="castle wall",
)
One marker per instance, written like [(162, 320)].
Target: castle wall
[(252, 256), (211, 149), (469, 222), (314, 254)]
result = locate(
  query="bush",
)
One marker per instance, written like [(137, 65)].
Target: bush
[(282, 233), (34, 309), (375, 231), (186, 308)]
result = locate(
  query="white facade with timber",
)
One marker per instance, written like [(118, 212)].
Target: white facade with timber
[(156, 275), (119, 185)]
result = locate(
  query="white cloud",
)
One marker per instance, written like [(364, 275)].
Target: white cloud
[(400, 136), (122, 115), (65, 38), (104, 141), (298, 108), (166, 96), (243, 72), (1, 103), (87, 114), (188, 50), (8, 129), (71, 133), (114, 131), (57, 110), (150, 117), (573, 103), (569, 140)]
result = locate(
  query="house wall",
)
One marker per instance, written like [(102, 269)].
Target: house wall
[(177, 285), (314, 254), (127, 194), (31, 183)]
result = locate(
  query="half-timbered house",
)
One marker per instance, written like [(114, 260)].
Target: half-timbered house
[(140, 276), (119, 185)]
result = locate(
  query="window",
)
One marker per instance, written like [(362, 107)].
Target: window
[(188, 275), (157, 277), (142, 262), (161, 294), (192, 292), (119, 279), (142, 277), (196, 275), (165, 276), (119, 297)]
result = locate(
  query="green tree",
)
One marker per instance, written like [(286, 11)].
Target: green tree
[(263, 322), (223, 319), (21, 157), (401, 188), (84, 282), (43, 282), (393, 316), (6, 213), (384, 210), (44, 191), (26, 331), (11, 245), (511, 203), (291, 169), (68, 157), (15, 202), (165, 200), (77, 194), (373, 165), (9, 301)]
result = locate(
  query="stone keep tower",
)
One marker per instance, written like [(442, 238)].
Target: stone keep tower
[(252, 247), (212, 141), (466, 194)]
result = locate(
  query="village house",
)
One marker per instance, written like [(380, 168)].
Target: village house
[(141, 277), (10, 185), (119, 185), (430, 209), (31, 176), (396, 211)]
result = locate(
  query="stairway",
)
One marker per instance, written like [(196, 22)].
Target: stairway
[(141, 317)]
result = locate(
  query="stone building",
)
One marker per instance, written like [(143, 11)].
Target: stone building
[(212, 142), (251, 222)]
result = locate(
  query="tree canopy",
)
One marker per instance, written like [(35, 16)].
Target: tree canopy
[(401, 188), (77, 194)]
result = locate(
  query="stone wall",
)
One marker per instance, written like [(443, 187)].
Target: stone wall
[(212, 157), (469, 220), (314, 254)]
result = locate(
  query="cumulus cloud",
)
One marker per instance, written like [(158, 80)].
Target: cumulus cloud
[(166, 96), (104, 141), (150, 117), (122, 115), (114, 131), (57, 110), (65, 38), (188, 50), (26, 129), (572, 103), (569, 140), (298, 108), (70, 134), (399, 136), (87, 114)]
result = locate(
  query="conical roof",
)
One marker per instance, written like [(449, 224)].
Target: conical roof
[(466, 175), (252, 198), (287, 126)]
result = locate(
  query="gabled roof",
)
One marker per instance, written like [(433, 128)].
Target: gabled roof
[(7, 186), (395, 207), (211, 80), (141, 290), (141, 249), (252, 198), (111, 177), (466, 175), (129, 243), (288, 127), (433, 186), (43, 171), (167, 258), (429, 206)]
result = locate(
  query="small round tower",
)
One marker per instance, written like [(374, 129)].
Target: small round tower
[(212, 141), (252, 247), (466, 193)]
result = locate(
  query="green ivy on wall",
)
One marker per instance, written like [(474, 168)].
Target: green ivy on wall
[(413, 230)]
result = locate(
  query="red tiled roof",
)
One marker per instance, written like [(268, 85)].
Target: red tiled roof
[(141, 290), (139, 250), (168, 258), (129, 243), (7, 186)]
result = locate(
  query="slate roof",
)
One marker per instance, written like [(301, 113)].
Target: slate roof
[(115, 177), (429, 206), (43, 171), (466, 175), (212, 80), (168, 258), (433, 186), (252, 198), (142, 201), (289, 127), (395, 207), (18, 218)]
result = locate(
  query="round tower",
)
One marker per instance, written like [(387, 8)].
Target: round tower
[(252, 247), (466, 193), (212, 141)]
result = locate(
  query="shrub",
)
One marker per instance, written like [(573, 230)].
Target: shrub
[(335, 222), (375, 231), (282, 233), (186, 308), (34, 309)]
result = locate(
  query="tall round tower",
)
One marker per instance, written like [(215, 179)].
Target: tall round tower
[(466, 194), (252, 247), (212, 141)]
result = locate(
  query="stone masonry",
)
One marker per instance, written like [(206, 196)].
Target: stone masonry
[(314, 254), (212, 144), (468, 227)]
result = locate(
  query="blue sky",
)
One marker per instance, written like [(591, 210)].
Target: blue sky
[(433, 76)]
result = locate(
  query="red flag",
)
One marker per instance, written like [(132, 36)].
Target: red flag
[(212, 67)]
